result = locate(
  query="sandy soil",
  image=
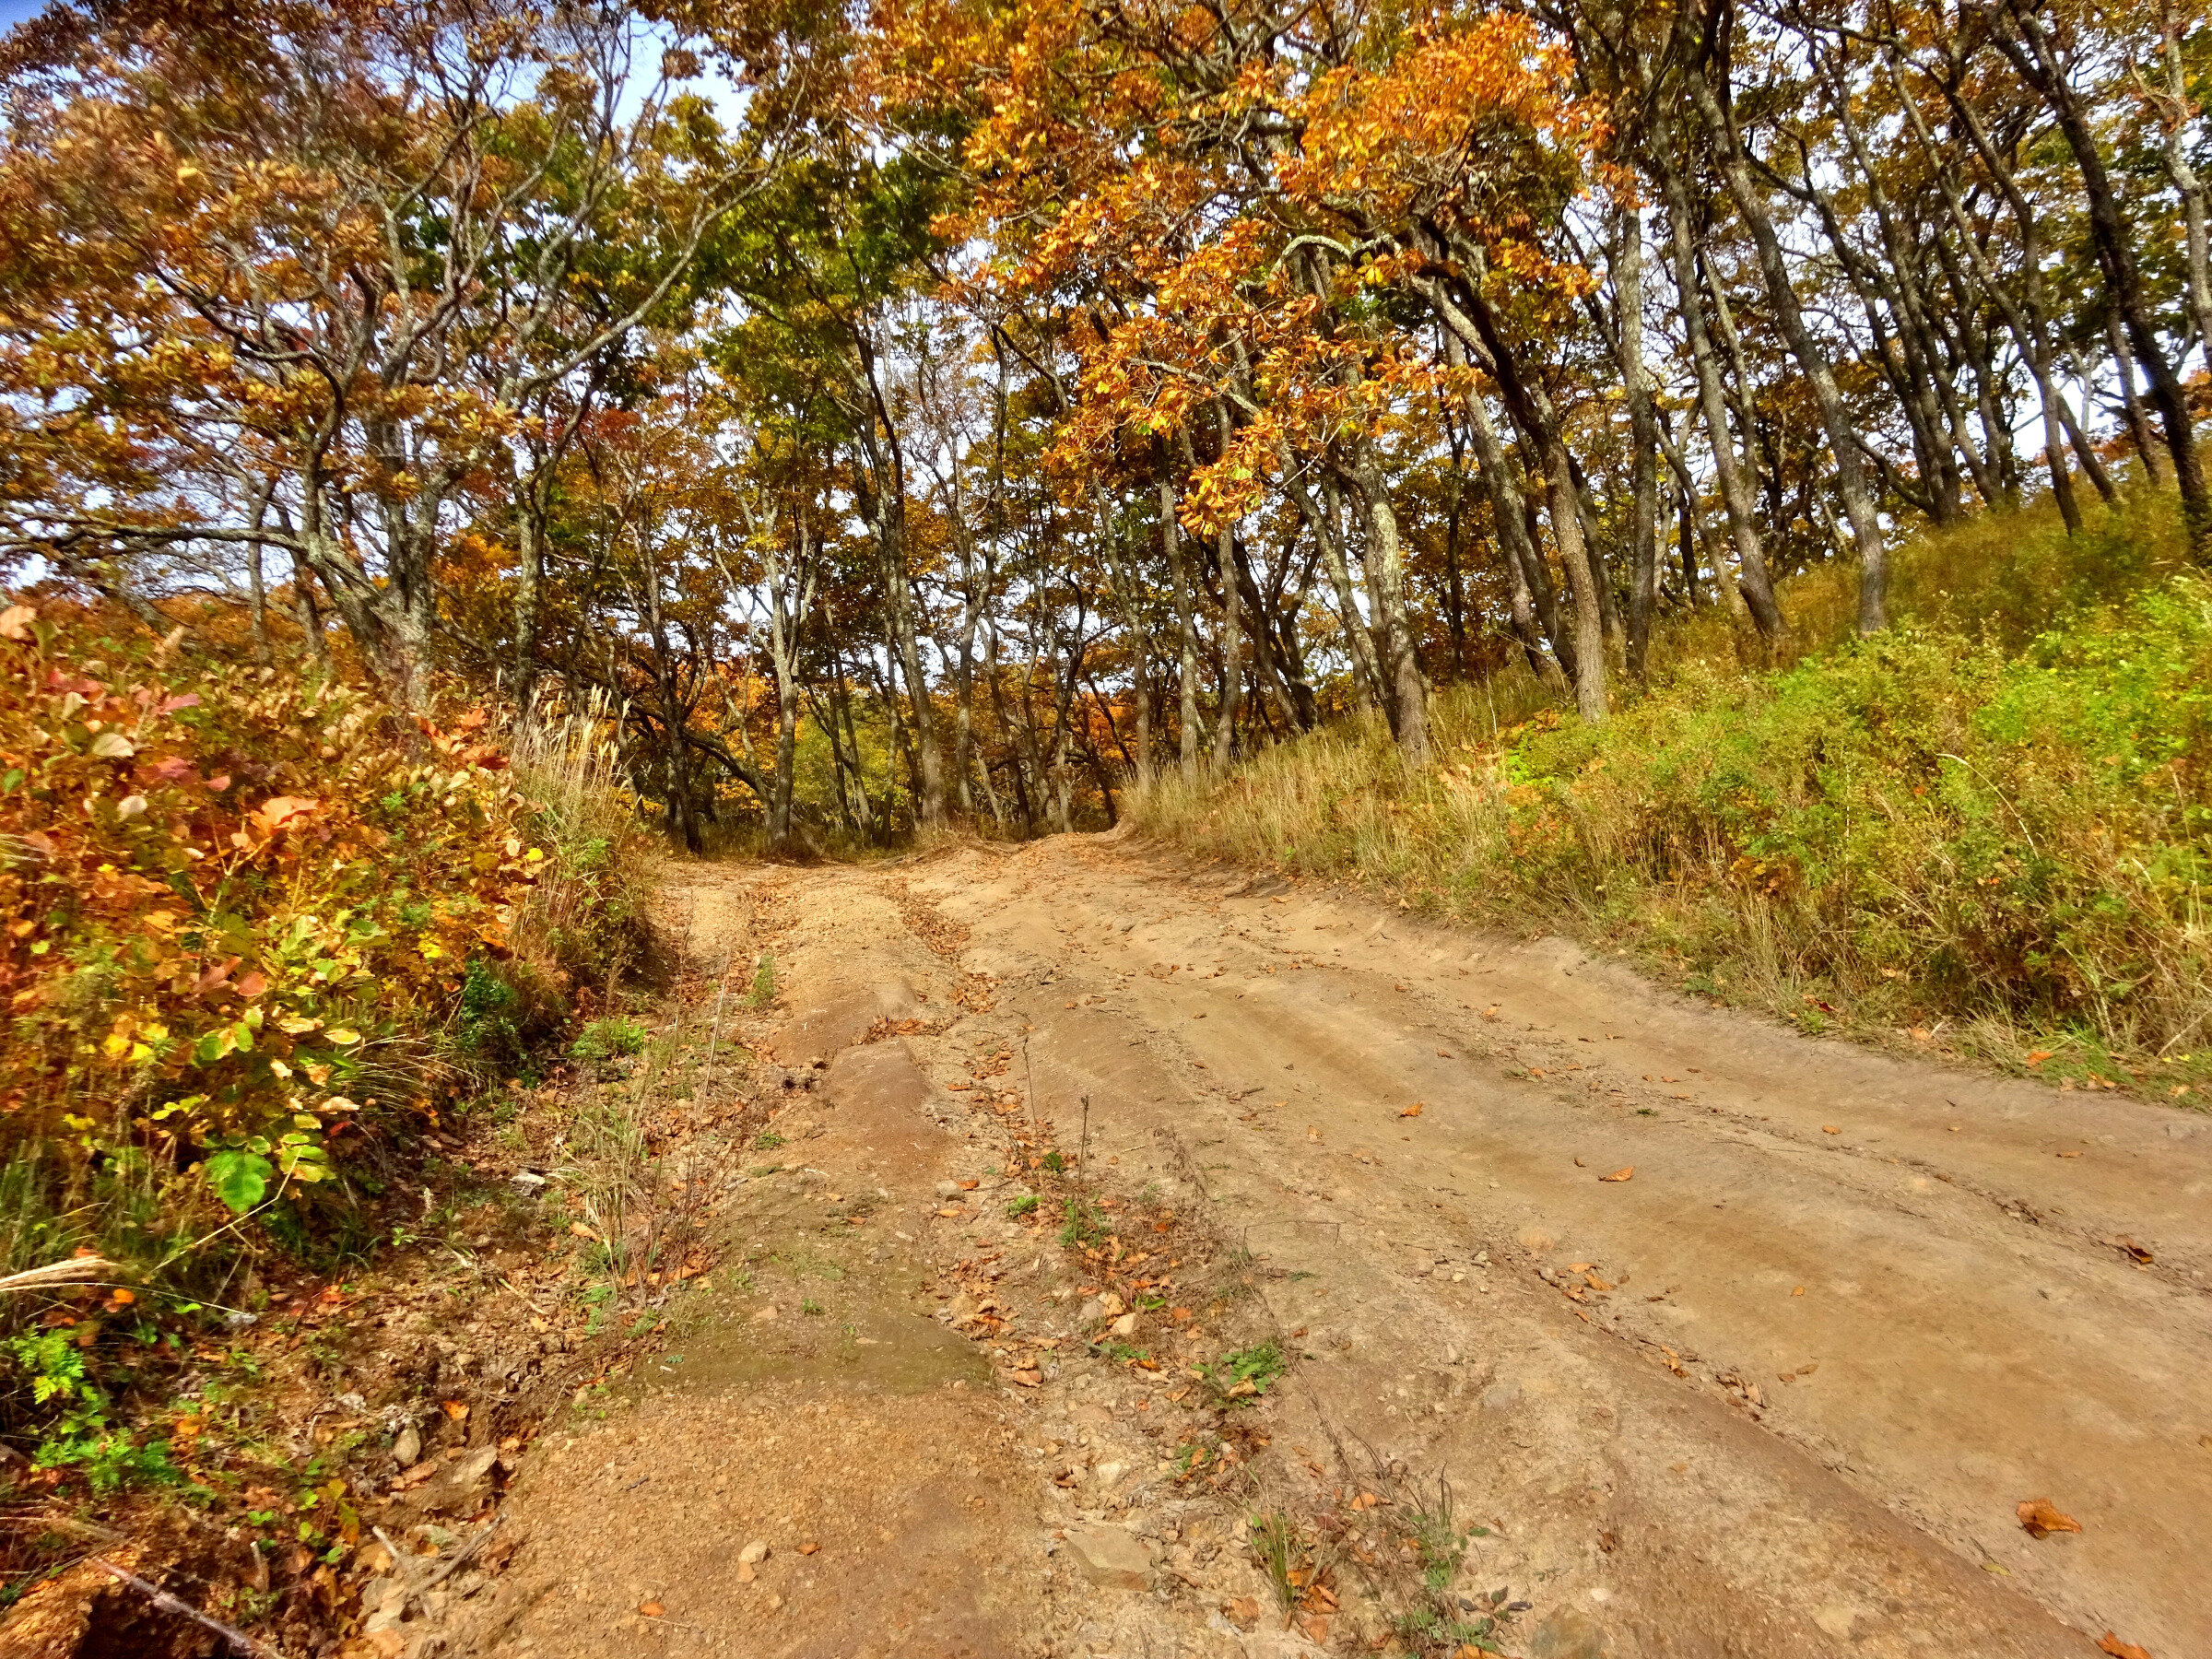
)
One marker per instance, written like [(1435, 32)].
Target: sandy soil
[(1728, 1341)]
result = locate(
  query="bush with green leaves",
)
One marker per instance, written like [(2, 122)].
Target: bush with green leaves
[(612, 1037)]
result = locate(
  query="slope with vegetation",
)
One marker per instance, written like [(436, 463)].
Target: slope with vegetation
[(263, 942), (1988, 825)]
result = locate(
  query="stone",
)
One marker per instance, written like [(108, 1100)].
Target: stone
[(461, 1486), (949, 1189), (1500, 1396), (753, 1553), (1126, 1325), (1092, 1311), (1836, 1621), (1567, 1633), (406, 1451), (1111, 1557)]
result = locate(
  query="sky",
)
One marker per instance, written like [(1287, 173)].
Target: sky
[(15, 11)]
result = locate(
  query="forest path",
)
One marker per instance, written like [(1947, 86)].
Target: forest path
[(1778, 1389)]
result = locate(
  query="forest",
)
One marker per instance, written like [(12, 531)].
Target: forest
[(928, 413)]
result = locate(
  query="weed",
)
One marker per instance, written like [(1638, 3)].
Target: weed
[(1024, 1205), (1245, 1374), (809, 1305), (768, 1140), (609, 1037), (80, 1432), (1055, 1162), (764, 982), (1083, 1224), (1275, 1546)]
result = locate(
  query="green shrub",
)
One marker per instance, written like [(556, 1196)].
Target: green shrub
[(611, 1037)]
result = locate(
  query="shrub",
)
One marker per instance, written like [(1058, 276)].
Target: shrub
[(610, 1038)]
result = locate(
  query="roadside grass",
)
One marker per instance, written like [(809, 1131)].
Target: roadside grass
[(1989, 829)]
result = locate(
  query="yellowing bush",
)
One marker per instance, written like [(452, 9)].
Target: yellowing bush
[(233, 903)]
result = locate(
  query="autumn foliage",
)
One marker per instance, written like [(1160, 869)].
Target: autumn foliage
[(242, 907)]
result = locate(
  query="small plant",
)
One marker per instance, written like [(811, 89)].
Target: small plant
[(1275, 1547), (1083, 1225), (1055, 1163), (1247, 1373), (764, 981), (768, 1140), (810, 1306), (611, 1037), (81, 1435), (1024, 1205)]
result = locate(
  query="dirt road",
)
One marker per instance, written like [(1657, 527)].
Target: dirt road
[(1729, 1341)]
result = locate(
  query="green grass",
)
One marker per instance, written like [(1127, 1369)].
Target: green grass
[(1990, 827)]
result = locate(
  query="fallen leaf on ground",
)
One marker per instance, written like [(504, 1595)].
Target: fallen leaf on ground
[(2036, 1058), (1412, 1111), (1619, 1174), (2069, 1154), (1312, 1133), (809, 1549), (2041, 1518), (1799, 1291), (2112, 1644), (652, 1609), (1580, 1164), (1831, 1129), (951, 1210), (1243, 1611), (1444, 1053), (2133, 1249), (456, 1409), (582, 1231)]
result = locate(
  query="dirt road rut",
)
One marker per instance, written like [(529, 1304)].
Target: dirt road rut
[(1732, 1341)]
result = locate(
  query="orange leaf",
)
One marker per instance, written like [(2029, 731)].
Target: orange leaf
[(809, 1549), (2040, 1517), (1619, 1174), (1412, 1111), (280, 810), (2039, 1057), (1829, 1129), (652, 1609), (2112, 1644), (456, 1409)]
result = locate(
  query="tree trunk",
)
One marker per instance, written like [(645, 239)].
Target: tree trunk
[(1782, 295), (1186, 621), (1643, 560), (1757, 593)]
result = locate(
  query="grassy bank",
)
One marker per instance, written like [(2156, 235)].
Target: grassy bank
[(1988, 829)]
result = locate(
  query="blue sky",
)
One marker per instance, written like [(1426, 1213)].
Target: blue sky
[(15, 11)]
